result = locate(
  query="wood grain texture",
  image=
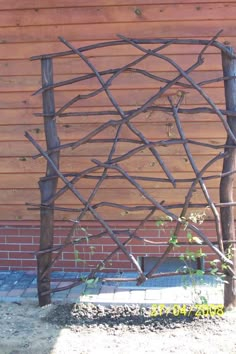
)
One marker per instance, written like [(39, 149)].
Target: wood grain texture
[(128, 196), (124, 98), (107, 31), (31, 27), (34, 4), (112, 14), (127, 80), (153, 131), (24, 116), (26, 150), (73, 65), (25, 50), (20, 213), (30, 180), (136, 164)]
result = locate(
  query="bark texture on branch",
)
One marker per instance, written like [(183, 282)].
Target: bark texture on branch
[(48, 187), (227, 182)]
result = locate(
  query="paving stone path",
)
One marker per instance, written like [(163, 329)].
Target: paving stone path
[(20, 286)]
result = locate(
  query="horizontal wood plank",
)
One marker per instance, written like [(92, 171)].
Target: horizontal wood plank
[(127, 80), (27, 50), (30, 180), (74, 65), (109, 31), (113, 14), (20, 213), (120, 196), (136, 164), (24, 149), (123, 97), (153, 131), (26, 116), (34, 4)]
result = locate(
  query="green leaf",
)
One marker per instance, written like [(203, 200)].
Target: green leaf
[(77, 258), (189, 236), (199, 253), (160, 223), (213, 271), (224, 266), (173, 240)]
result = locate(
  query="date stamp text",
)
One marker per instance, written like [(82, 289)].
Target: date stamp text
[(196, 310)]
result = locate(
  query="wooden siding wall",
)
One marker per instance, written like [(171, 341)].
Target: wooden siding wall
[(29, 27)]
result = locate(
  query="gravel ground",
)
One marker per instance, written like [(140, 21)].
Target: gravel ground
[(86, 329)]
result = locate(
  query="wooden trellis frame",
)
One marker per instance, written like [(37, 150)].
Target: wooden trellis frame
[(225, 230)]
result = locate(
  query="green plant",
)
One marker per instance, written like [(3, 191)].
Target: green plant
[(78, 255), (194, 277), (173, 240)]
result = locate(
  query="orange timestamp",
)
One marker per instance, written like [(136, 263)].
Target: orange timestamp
[(196, 310)]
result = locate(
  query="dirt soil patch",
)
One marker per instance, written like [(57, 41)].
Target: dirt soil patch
[(85, 329)]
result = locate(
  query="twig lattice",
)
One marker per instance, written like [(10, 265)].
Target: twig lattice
[(112, 168)]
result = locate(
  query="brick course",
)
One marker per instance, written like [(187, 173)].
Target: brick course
[(18, 244)]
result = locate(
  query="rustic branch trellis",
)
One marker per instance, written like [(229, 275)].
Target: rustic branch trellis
[(48, 184)]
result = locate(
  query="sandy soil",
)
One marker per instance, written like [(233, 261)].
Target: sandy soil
[(28, 329)]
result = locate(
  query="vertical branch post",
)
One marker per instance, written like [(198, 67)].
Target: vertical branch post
[(227, 182), (48, 187)]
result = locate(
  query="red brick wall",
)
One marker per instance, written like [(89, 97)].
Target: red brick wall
[(18, 243)]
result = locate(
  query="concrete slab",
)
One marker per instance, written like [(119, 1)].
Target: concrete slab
[(121, 294), (137, 296), (153, 295)]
